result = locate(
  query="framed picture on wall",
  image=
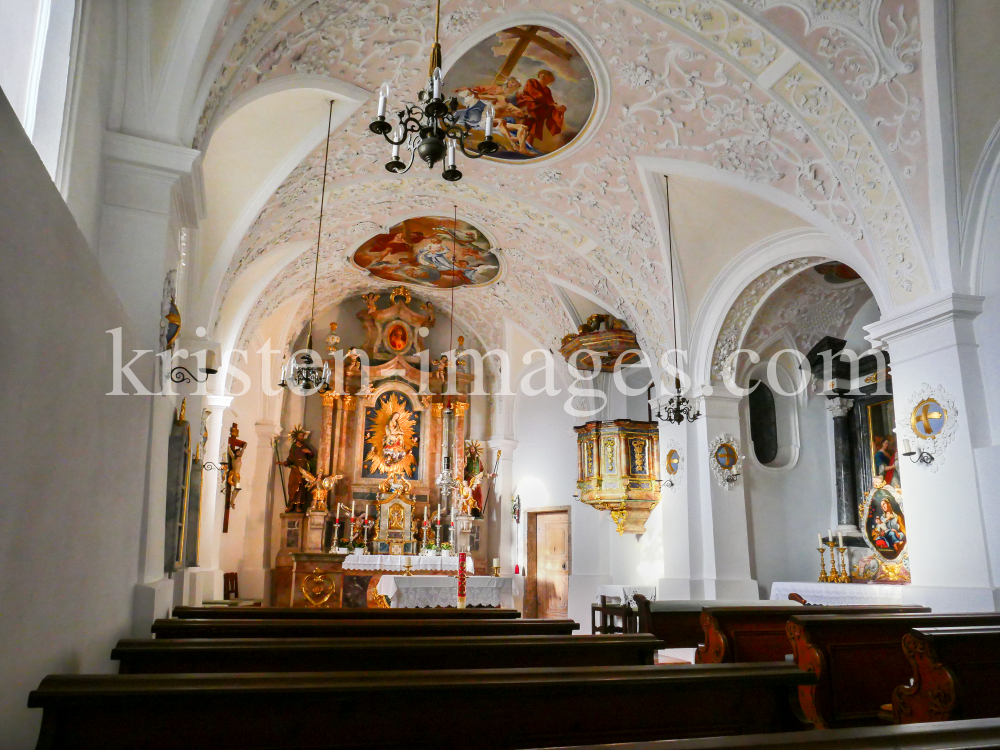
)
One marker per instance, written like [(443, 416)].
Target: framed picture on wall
[(876, 445)]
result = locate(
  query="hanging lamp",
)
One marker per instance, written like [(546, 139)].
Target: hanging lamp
[(431, 129), (677, 408), (302, 370)]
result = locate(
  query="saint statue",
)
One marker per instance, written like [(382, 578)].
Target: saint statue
[(473, 477), (301, 457), (234, 461), (332, 341)]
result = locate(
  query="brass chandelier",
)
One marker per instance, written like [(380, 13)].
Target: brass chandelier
[(430, 129)]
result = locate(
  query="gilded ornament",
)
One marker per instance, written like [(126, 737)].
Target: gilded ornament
[(317, 587)]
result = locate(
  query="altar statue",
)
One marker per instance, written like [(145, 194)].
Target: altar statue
[(301, 457), (234, 462), (320, 487), (474, 470)]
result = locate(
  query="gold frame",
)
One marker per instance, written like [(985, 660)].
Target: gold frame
[(913, 418)]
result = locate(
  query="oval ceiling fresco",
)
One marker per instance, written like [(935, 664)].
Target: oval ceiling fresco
[(539, 84), (431, 251)]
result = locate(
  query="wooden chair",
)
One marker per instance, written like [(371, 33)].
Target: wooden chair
[(230, 586), (611, 607)]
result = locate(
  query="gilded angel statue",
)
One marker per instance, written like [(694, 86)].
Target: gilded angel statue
[(320, 485)]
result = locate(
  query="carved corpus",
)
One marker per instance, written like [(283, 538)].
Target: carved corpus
[(619, 470)]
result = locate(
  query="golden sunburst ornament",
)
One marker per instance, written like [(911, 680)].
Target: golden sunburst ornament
[(391, 438)]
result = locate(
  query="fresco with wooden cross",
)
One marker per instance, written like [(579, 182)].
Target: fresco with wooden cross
[(538, 83)]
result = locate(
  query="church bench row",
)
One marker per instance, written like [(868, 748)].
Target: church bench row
[(174, 628), (859, 661), (310, 613), (951, 735), (751, 634), (381, 654), (496, 709), (956, 675)]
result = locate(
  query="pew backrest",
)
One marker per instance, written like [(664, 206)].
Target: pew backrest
[(956, 675), (174, 628), (755, 634), (859, 661), (303, 613), (381, 654)]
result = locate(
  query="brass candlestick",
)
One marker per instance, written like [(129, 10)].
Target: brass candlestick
[(834, 576), (496, 571), (823, 578), (845, 569), (408, 568)]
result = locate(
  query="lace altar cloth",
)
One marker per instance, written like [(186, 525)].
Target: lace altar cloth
[(839, 594), (397, 563), (442, 591)]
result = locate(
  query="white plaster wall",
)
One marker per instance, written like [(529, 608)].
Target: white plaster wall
[(72, 469), (787, 507)]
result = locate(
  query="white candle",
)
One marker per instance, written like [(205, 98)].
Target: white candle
[(489, 121), (907, 449), (439, 514), (338, 512), (829, 534), (840, 539), (383, 98), (450, 160), (819, 537), (425, 515), (496, 562), (352, 510), (397, 136), (437, 83)]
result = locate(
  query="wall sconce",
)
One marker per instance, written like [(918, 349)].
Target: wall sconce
[(922, 456), (181, 374)]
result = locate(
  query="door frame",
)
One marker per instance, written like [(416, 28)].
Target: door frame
[(530, 603)]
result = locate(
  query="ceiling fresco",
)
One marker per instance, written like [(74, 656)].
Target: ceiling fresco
[(746, 88)]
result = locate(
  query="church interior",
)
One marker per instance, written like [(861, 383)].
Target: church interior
[(616, 371)]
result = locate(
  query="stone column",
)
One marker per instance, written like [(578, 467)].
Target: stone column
[(328, 442), (843, 466), (934, 345)]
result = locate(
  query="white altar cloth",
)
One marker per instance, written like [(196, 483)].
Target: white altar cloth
[(839, 593), (442, 591), (394, 563)]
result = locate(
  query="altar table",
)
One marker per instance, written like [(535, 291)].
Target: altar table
[(397, 563), (442, 591), (838, 594)]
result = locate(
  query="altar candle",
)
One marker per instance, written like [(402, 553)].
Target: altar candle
[(439, 514), (338, 511), (829, 534), (496, 562), (352, 510), (819, 537), (840, 539), (425, 515)]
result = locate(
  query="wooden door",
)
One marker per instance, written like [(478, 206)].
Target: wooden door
[(552, 564)]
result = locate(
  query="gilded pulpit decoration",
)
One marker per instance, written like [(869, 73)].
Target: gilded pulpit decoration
[(607, 336), (619, 470)]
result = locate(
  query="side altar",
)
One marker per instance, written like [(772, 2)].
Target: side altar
[(392, 449)]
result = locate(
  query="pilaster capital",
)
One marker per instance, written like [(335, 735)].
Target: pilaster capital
[(839, 407), (925, 315), (216, 404), (153, 176), (505, 445)]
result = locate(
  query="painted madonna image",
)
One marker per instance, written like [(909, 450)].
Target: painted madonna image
[(885, 533)]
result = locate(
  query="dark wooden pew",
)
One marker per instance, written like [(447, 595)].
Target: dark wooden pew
[(677, 623), (956, 675), (381, 654), (946, 735), (304, 613), (492, 709), (752, 634), (859, 661), (174, 628)]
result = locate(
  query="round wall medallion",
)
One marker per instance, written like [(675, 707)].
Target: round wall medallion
[(673, 463), (726, 456), (928, 418)]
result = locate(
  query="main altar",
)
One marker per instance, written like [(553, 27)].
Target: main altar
[(393, 477)]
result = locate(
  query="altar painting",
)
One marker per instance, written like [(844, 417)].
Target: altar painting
[(392, 430), (883, 450), (885, 525), (432, 252), (538, 83)]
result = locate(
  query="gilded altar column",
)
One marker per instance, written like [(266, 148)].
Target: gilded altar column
[(348, 405), (458, 450)]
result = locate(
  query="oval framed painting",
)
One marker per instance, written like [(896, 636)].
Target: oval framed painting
[(673, 462), (433, 252), (539, 84), (726, 456), (397, 337)]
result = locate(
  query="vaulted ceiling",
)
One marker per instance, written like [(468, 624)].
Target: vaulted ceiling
[(769, 115)]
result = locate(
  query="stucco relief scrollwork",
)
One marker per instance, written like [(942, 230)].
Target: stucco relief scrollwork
[(938, 444)]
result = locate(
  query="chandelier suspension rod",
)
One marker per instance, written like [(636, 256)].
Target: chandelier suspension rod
[(319, 234), (454, 255), (436, 49), (673, 291)]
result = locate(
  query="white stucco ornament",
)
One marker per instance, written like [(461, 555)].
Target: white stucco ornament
[(725, 460), (673, 464), (932, 420)]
